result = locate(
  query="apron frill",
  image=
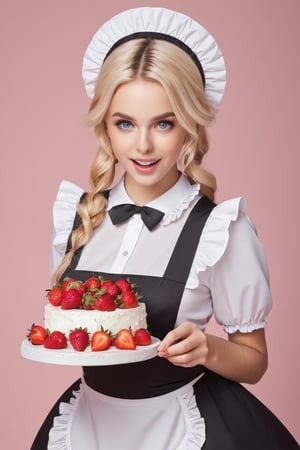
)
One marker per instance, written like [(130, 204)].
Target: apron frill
[(59, 433), (82, 421)]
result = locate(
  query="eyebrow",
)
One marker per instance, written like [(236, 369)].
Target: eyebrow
[(159, 117)]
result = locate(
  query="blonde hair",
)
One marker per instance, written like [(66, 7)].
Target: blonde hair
[(170, 66)]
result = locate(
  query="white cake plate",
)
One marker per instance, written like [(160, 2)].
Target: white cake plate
[(70, 357)]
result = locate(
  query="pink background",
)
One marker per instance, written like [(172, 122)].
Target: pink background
[(254, 152)]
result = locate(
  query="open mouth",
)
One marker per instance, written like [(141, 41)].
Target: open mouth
[(145, 163)]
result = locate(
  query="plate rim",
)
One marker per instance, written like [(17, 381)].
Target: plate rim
[(70, 357)]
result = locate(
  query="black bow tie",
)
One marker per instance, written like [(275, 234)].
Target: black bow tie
[(150, 216)]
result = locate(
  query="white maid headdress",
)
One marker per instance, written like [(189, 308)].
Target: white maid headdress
[(158, 23)]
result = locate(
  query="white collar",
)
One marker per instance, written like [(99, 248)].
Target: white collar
[(173, 202)]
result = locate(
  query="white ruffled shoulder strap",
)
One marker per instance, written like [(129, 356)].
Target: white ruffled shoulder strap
[(214, 238), (64, 211)]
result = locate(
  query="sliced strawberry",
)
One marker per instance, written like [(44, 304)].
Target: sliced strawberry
[(37, 334), (124, 340), (93, 283), (55, 296), (72, 299), (79, 339), (142, 337), (105, 302), (55, 340), (101, 340), (128, 300)]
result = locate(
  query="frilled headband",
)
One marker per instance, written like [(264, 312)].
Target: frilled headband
[(158, 23)]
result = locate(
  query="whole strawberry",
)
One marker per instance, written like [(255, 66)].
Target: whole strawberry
[(92, 283), (78, 285), (66, 282), (142, 337), (72, 299), (106, 284), (89, 297), (79, 339), (123, 285), (128, 300), (105, 302), (113, 290), (55, 295), (55, 340)]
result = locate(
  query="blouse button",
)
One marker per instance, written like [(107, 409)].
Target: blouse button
[(125, 253)]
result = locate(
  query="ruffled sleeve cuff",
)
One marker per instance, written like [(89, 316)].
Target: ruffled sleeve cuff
[(64, 211), (245, 327)]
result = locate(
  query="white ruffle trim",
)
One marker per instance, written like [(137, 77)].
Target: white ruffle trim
[(59, 436), (59, 433), (194, 422), (245, 327), (176, 213), (64, 211), (214, 238), (160, 20)]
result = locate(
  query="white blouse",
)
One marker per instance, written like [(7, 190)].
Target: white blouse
[(229, 275)]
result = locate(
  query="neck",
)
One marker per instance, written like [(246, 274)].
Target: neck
[(141, 195)]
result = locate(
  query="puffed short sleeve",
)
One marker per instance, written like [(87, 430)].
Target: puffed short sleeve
[(233, 264), (64, 211)]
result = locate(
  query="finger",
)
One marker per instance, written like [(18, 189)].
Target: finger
[(190, 359), (170, 350), (180, 347), (170, 339), (196, 356)]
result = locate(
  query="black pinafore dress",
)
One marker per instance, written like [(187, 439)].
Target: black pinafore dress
[(234, 418)]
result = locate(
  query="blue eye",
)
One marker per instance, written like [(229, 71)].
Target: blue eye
[(165, 124), (124, 124)]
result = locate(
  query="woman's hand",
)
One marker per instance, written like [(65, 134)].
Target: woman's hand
[(243, 357), (184, 346)]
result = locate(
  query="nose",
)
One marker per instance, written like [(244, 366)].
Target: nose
[(144, 143)]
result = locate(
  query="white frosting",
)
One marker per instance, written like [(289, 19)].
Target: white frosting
[(63, 320)]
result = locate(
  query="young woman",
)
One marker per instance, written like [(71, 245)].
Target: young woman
[(156, 78)]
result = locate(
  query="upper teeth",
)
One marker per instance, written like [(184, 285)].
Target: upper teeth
[(145, 163)]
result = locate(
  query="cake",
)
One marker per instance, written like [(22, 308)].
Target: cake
[(82, 319), (56, 318), (94, 304)]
